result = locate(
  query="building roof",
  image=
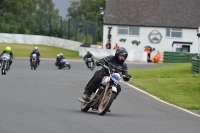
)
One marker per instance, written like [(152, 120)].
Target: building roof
[(153, 13)]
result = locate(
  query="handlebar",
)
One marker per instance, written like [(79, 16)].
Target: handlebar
[(104, 66)]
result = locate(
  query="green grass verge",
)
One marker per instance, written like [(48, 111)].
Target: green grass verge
[(174, 83), (23, 50)]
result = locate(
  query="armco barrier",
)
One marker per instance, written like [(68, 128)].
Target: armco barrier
[(177, 57), (195, 65)]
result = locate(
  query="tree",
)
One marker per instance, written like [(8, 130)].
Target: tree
[(26, 16), (88, 10)]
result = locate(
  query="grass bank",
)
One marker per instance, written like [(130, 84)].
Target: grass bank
[(174, 83), (23, 50)]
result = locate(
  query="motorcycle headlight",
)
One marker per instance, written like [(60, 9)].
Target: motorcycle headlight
[(115, 77)]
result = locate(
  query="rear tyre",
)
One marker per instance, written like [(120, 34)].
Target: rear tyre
[(105, 105)]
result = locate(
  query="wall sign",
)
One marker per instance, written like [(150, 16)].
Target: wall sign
[(122, 40), (135, 42), (155, 37)]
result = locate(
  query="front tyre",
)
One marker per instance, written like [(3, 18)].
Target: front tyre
[(35, 65), (3, 72), (32, 64), (84, 107), (69, 66), (106, 103)]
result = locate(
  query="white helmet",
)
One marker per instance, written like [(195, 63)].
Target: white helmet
[(61, 54), (36, 48), (58, 55)]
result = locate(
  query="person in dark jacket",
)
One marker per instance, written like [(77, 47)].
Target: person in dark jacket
[(115, 63), (35, 51), (88, 55), (59, 58), (8, 51), (108, 45)]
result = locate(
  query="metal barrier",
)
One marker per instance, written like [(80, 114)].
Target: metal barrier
[(177, 57), (195, 65)]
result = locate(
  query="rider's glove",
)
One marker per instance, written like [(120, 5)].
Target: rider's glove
[(127, 78), (100, 62)]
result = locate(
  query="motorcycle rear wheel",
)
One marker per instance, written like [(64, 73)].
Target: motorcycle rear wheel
[(105, 105)]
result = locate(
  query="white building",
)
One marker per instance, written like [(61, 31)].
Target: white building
[(166, 25)]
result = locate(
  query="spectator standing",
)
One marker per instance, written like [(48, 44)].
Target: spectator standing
[(108, 45), (116, 46), (148, 50)]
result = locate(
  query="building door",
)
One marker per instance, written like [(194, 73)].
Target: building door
[(182, 48), (186, 48)]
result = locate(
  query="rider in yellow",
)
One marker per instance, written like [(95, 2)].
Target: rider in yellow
[(8, 51)]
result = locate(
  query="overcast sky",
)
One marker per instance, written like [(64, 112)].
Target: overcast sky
[(62, 5)]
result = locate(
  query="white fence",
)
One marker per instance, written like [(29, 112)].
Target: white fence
[(140, 56), (43, 40)]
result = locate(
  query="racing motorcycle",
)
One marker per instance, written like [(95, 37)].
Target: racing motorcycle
[(65, 64), (102, 99), (4, 63), (34, 61), (90, 63)]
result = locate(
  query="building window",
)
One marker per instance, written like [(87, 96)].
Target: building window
[(173, 32), (128, 30)]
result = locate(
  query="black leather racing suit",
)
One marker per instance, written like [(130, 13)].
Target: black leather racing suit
[(58, 61), (113, 63), (86, 57)]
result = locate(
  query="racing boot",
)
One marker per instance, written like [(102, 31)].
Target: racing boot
[(85, 97)]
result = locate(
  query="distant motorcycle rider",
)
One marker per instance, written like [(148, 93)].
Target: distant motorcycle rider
[(61, 56), (35, 51), (116, 64), (8, 51), (88, 55), (59, 62), (58, 59)]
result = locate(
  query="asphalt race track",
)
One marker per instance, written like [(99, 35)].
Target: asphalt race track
[(45, 101)]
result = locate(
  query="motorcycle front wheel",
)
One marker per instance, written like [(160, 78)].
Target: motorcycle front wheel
[(68, 66), (84, 107), (35, 65), (106, 103), (3, 72)]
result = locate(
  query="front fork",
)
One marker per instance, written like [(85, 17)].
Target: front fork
[(108, 85)]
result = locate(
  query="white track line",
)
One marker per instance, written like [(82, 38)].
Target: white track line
[(136, 88)]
